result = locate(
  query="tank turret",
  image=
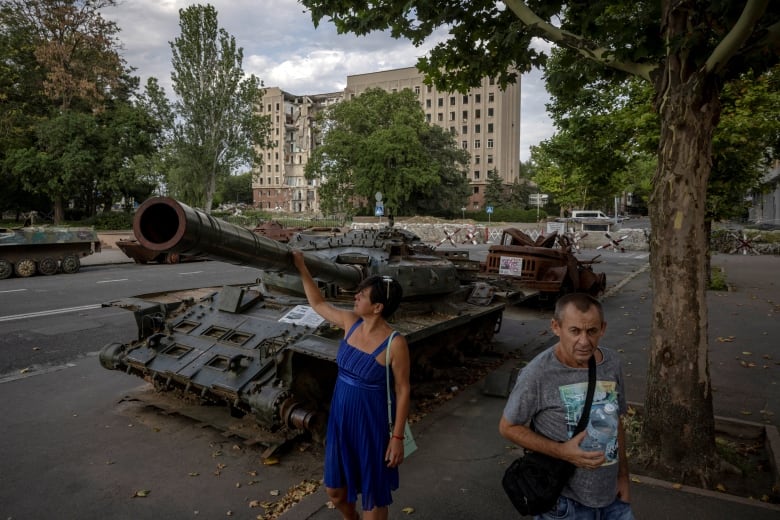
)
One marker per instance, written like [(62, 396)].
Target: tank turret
[(259, 349)]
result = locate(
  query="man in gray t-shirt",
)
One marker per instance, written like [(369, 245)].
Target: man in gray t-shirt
[(550, 393)]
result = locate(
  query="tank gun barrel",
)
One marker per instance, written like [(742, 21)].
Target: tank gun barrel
[(167, 225)]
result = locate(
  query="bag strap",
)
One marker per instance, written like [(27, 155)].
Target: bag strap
[(387, 370), (589, 398)]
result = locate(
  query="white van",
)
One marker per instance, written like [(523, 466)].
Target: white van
[(588, 215)]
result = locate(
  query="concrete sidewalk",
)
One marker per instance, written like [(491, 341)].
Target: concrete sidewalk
[(456, 473)]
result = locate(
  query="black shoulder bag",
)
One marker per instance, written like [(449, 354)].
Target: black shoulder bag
[(534, 481)]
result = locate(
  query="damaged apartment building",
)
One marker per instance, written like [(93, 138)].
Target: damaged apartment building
[(486, 122)]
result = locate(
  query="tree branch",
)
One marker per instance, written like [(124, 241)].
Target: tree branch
[(576, 42), (731, 43)]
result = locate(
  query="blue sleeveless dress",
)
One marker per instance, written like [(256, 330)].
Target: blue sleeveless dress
[(358, 428)]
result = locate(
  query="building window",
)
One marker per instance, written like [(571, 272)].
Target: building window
[(464, 129), (476, 159), (465, 115), (464, 144), (491, 97), (441, 102), (277, 107), (452, 100), (276, 168), (427, 103), (490, 143), (452, 130), (477, 143), (428, 88), (476, 190), (452, 116), (491, 81), (490, 128), (477, 113), (490, 112), (395, 91), (477, 98), (417, 89), (269, 107), (476, 175), (440, 117), (465, 99), (477, 129), (428, 118), (490, 159)]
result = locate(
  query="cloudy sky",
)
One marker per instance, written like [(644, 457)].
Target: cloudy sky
[(283, 49)]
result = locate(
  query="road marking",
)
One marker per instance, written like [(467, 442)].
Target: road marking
[(191, 272), (13, 290), (49, 313), (112, 281)]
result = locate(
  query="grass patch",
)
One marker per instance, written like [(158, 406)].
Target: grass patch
[(718, 279)]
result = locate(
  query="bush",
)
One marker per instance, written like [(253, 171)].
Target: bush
[(111, 221)]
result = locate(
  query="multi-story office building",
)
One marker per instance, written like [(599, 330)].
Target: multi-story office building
[(486, 122)]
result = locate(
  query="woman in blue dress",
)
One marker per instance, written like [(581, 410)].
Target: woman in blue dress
[(361, 455)]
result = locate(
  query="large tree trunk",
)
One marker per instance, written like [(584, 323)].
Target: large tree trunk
[(59, 210), (678, 425)]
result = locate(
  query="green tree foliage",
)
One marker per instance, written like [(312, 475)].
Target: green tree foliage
[(686, 50), (215, 128), (380, 142), (495, 194), (617, 123), (71, 127), (236, 189)]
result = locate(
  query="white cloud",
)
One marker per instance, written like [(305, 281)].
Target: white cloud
[(283, 49)]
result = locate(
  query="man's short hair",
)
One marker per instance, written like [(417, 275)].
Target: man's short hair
[(581, 301)]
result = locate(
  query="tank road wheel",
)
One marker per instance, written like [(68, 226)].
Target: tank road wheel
[(6, 268), (48, 266), (71, 264), (24, 268)]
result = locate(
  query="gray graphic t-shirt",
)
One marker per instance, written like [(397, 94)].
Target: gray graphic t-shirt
[(553, 395)]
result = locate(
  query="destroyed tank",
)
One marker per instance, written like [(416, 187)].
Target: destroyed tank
[(47, 250), (258, 349)]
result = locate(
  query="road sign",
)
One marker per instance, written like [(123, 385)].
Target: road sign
[(489, 209), (379, 210)]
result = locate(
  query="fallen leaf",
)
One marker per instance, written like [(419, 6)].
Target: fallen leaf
[(745, 412), (747, 353), (635, 480), (408, 510), (728, 339), (254, 503), (142, 493), (270, 461), (274, 492), (721, 487), (193, 473), (677, 486), (238, 484)]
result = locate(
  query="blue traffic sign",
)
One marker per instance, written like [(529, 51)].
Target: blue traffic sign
[(489, 209), (379, 210)]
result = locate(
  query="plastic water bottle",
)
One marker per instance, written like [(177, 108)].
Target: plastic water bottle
[(601, 428)]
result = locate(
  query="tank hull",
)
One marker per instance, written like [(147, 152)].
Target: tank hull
[(44, 250)]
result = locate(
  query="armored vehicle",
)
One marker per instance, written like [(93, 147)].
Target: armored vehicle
[(259, 350), (45, 249)]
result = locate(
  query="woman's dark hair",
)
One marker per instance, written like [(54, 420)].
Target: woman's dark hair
[(385, 290)]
